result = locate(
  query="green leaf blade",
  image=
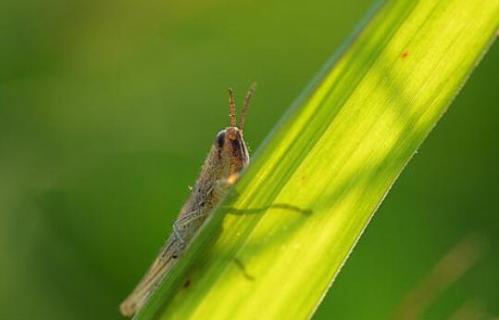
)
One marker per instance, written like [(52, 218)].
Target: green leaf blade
[(283, 234)]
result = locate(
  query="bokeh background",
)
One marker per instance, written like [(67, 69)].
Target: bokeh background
[(107, 109)]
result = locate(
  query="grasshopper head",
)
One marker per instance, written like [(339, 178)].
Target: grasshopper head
[(231, 148)]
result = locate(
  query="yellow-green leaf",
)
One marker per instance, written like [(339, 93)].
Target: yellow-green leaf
[(274, 247)]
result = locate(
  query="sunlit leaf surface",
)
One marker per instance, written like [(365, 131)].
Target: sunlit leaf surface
[(275, 246)]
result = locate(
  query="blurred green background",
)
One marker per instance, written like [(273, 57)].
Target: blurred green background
[(107, 109)]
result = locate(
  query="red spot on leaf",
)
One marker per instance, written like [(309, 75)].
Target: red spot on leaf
[(404, 54)]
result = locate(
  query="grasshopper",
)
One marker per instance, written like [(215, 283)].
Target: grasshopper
[(221, 169)]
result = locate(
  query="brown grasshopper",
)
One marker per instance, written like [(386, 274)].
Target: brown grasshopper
[(221, 169)]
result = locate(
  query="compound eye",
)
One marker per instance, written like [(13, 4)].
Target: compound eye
[(220, 140)]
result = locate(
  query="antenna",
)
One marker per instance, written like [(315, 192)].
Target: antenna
[(232, 108), (247, 99)]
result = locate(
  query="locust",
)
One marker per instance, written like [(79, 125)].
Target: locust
[(222, 167)]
